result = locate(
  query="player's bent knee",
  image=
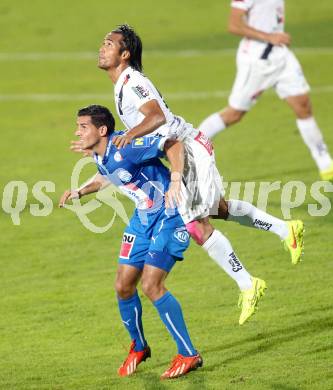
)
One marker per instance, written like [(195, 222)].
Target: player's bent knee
[(301, 105), (223, 209), (124, 290), (152, 289), (231, 116), (237, 116), (304, 110)]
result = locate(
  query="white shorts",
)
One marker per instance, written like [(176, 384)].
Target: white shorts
[(254, 75), (202, 184)]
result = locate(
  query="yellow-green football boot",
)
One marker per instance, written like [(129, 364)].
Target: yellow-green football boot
[(294, 243), (248, 299)]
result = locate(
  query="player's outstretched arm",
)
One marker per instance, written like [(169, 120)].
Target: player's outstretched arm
[(238, 26), (154, 118), (174, 151), (89, 188)]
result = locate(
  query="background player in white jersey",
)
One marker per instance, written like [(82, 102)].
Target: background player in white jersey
[(264, 61), (143, 111)]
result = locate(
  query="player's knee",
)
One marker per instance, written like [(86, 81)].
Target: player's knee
[(123, 289), (231, 115), (223, 210), (199, 231), (151, 288), (303, 108), (237, 116)]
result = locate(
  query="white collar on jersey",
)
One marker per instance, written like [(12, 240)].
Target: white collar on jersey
[(101, 159)]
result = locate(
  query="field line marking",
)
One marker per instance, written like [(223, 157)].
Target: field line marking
[(186, 95), (87, 55)]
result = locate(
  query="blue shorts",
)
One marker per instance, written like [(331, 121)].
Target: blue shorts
[(161, 243)]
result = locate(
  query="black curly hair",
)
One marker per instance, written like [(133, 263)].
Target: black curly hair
[(131, 42)]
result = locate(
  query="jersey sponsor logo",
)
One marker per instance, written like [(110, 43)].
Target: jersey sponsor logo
[(205, 142), (124, 175), (181, 235), (141, 91), (280, 15), (262, 224), (127, 245), (140, 198), (234, 262), (117, 157), (141, 142)]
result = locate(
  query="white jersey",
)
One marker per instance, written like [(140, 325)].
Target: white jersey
[(263, 15), (202, 187), (131, 91)]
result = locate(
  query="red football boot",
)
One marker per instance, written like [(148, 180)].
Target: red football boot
[(133, 359), (182, 365)]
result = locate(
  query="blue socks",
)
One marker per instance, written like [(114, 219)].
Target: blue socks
[(171, 314), (131, 315)]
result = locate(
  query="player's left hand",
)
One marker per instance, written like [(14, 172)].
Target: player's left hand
[(68, 195), (120, 141), (280, 38), (173, 196), (76, 147)]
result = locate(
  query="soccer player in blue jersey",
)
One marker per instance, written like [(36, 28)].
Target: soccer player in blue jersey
[(155, 238)]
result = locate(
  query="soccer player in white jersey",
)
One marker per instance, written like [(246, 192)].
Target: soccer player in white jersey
[(143, 111), (263, 61)]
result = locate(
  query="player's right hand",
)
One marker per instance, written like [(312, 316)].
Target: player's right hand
[(120, 141), (173, 196), (76, 147), (279, 38), (68, 195)]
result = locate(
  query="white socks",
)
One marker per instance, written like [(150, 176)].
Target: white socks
[(220, 250), (212, 125), (313, 139), (247, 214)]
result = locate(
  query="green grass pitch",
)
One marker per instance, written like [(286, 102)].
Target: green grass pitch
[(59, 322)]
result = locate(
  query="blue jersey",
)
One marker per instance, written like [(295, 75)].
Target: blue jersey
[(137, 171), (155, 235)]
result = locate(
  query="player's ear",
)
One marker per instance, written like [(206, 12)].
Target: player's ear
[(103, 130), (125, 55)]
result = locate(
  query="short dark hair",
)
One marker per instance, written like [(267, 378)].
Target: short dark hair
[(100, 116), (131, 42)]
